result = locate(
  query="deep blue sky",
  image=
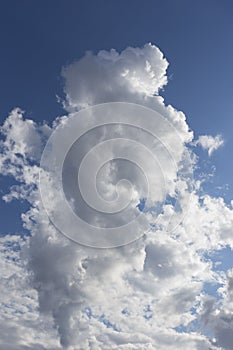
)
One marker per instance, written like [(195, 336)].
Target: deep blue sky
[(37, 38)]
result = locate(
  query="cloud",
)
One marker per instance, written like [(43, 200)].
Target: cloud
[(210, 143), (112, 76), (217, 315), (136, 296), (21, 326)]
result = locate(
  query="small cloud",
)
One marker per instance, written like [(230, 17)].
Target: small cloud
[(210, 143)]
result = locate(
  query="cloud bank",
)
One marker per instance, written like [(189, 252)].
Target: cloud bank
[(151, 294)]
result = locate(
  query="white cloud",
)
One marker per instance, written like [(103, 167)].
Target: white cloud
[(21, 325), (210, 143), (112, 76), (217, 315), (132, 297)]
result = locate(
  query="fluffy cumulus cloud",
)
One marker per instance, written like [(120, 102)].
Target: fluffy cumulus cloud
[(210, 143), (150, 294)]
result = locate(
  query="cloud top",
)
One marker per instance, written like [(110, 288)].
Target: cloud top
[(111, 76)]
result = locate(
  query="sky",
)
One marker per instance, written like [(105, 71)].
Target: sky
[(173, 57)]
